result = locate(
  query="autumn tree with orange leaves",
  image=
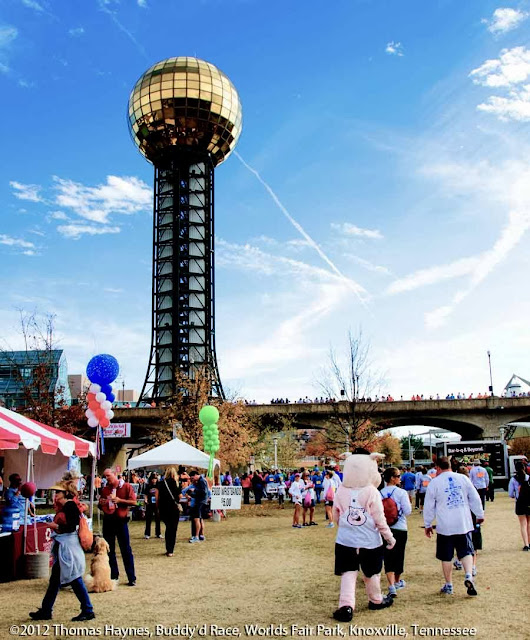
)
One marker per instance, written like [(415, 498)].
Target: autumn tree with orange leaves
[(236, 433)]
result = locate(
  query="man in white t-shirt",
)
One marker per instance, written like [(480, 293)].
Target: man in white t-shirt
[(449, 498)]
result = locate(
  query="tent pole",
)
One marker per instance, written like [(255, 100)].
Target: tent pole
[(92, 488)]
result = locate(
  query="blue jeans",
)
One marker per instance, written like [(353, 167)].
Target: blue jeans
[(53, 589), (117, 528)]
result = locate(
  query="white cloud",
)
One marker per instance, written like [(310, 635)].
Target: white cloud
[(142, 3), (510, 68), (505, 19), (125, 195), (32, 4), (394, 49), (15, 242), (27, 191), (509, 71), (369, 266), (58, 215), (25, 84), (516, 227), (356, 288), (433, 275), (352, 230), (248, 258), (76, 32), (514, 107), (7, 36), (509, 184), (75, 231)]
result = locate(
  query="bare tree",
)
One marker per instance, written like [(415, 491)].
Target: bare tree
[(354, 385)]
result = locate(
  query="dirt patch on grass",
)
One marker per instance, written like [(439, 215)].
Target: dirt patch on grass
[(254, 568)]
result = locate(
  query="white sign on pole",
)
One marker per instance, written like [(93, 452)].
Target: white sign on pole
[(226, 497), (117, 430)]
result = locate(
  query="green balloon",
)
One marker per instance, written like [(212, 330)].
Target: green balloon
[(208, 415)]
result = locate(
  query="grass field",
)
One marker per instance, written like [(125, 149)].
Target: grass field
[(255, 569)]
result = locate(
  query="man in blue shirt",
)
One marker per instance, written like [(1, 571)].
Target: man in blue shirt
[(408, 483), (318, 481)]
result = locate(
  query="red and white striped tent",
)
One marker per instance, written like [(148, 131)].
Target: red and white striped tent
[(50, 448)]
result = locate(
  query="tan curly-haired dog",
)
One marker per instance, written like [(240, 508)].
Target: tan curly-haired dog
[(98, 581)]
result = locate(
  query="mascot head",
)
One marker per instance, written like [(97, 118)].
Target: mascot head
[(360, 470)]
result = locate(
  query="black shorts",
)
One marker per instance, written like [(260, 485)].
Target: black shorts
[(521, 509), (308, 506), (199, 511), (395, 557), (476, 538), (446, 545), (350, 559), (328, 503)]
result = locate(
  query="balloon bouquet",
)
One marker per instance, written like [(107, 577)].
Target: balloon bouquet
[(101, 371), (209, 415)]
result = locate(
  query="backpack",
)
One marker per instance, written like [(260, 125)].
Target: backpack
[(86, 537), (330, 494), (391, 510)]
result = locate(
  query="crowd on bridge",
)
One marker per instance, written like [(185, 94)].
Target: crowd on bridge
[(390, 398)]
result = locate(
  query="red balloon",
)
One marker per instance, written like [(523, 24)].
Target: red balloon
[(104, 422), (28, 489), (90, 397), (100, 414)]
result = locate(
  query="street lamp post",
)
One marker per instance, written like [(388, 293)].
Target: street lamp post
[(275, 440), (491, 377), (123, 391), (410, 453)]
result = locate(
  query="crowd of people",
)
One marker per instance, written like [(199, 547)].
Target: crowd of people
[(389, 398), (449, 492)]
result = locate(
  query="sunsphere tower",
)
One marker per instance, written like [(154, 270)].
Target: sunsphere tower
[(185, 117)]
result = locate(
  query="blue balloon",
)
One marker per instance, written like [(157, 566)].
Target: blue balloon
[(111, 397), (106, 389), (103, 369)]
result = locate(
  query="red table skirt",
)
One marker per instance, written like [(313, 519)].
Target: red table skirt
[(12, 550)]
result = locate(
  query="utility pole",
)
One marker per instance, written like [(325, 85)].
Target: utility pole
[(275, 440), (491, 377)]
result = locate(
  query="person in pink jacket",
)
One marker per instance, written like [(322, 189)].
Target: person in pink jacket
[(358, 512)]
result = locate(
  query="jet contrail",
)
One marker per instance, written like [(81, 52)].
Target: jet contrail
[(356, 288)]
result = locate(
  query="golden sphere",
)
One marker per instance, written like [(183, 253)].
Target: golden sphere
[(187, 104)]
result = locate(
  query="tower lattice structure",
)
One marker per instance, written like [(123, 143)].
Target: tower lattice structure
[(185, 117)]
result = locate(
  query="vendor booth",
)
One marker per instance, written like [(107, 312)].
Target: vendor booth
[(40, 454), (174, 452)]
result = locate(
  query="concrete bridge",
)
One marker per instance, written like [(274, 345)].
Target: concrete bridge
[(472, 419)]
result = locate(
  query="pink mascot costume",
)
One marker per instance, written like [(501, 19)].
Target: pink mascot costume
[(358, 511)]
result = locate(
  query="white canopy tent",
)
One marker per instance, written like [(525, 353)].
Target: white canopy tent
[(174, 452)]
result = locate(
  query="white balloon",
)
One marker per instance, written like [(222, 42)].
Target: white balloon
[(100, 397), (110, 414), (93, 422), (94, 388), (106, 405), (90, 414)]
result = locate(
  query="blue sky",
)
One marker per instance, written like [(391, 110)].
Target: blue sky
[(394, 134)]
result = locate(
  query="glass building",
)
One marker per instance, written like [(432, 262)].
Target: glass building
[(28, 376)]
